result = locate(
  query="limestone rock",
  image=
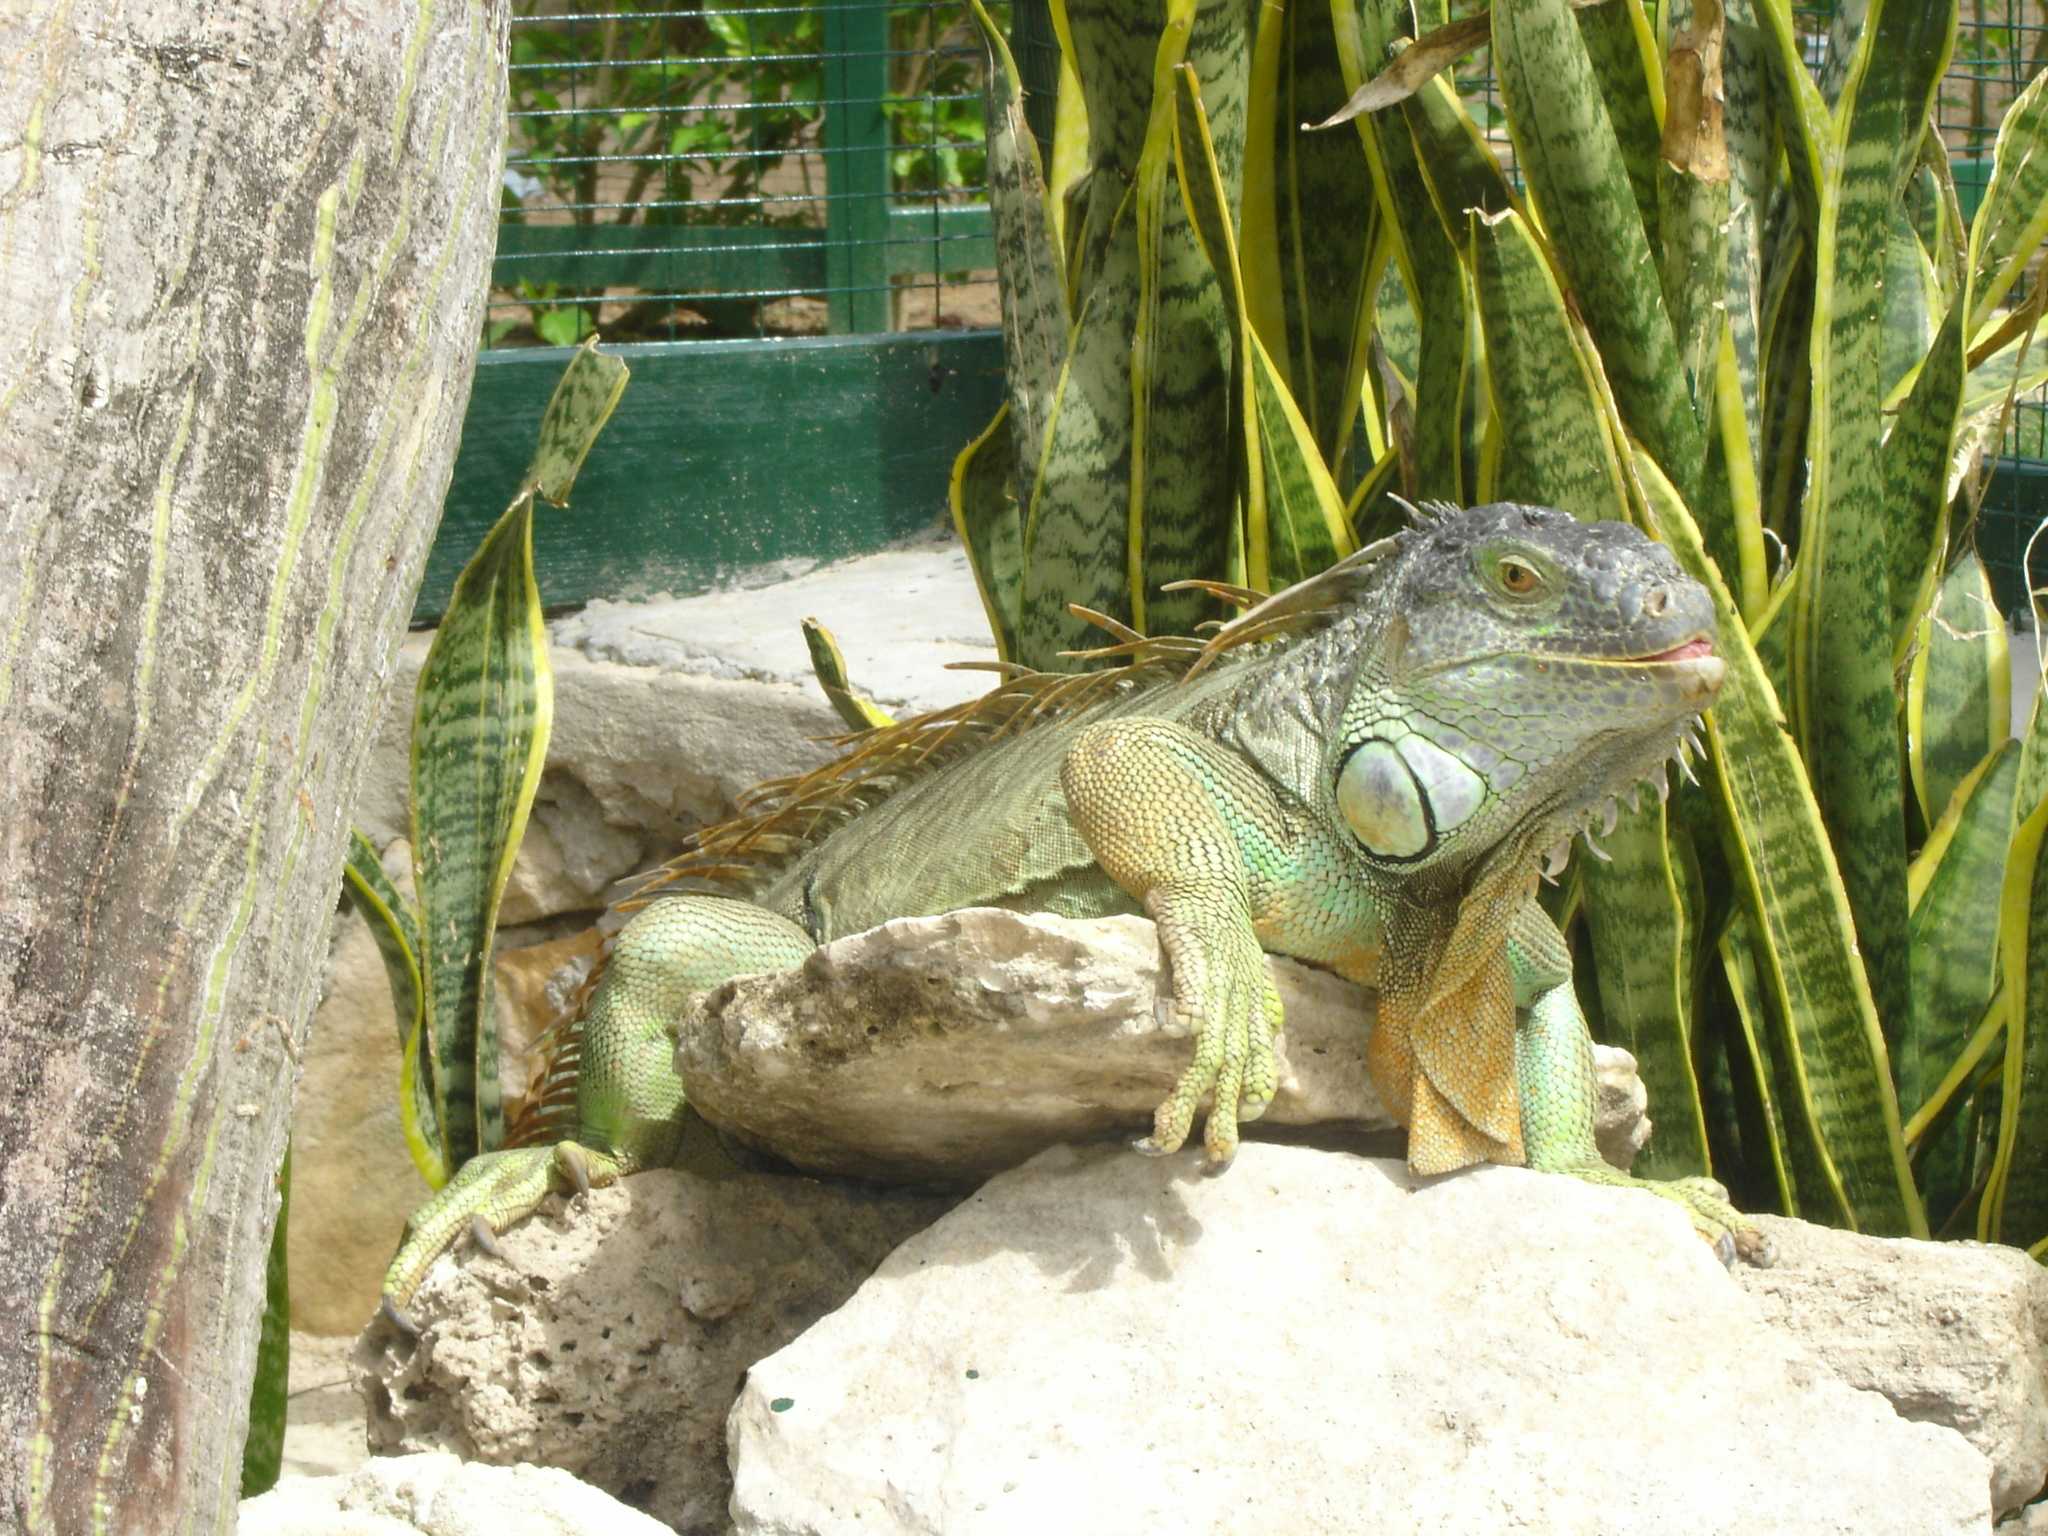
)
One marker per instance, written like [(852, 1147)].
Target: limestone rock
[(437, 1495), (1950, 1333), (353, 1184), (611, 1337), (571, 854), (1317, 1342), (937, 1047)]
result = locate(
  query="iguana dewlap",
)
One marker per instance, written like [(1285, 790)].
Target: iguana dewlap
[(1363, 772)]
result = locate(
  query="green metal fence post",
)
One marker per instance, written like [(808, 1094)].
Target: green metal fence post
[(857, 165)]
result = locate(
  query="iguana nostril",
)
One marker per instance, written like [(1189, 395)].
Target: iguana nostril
[(1658, 600)]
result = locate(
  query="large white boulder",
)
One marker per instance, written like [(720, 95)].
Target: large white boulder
[(1316, 1342)]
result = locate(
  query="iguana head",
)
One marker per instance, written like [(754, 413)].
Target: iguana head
[(1531, 667)]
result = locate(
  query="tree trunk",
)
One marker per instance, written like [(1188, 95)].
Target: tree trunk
[(243, 259)]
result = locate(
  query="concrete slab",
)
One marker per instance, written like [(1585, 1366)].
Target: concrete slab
[(900, 616)]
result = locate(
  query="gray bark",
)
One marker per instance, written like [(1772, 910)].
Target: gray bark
[(243, 256)]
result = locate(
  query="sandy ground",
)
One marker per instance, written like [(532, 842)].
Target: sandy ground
[(323, 1432)]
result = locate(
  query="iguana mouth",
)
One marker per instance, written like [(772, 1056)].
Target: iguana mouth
[(1699, 645)]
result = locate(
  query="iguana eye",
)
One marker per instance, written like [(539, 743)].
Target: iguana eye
[(1518, 579)]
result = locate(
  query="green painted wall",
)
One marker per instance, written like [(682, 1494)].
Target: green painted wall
[(724, 455)]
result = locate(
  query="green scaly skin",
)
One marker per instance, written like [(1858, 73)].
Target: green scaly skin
[(1372, 796)]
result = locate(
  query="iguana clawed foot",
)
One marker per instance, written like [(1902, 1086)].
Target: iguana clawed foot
[(1732, 1235), (1233, 1009), (487, 1195)]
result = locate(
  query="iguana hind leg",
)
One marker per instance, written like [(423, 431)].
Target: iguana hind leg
[(1554, 1069), (628, 1097)]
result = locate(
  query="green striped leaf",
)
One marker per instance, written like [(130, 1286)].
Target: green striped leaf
[(1326, 223), (1834, 1068), (1566, 145), (1772, 637), (395, 927), (1623, 52), (828, 664), (1844, 708), (1959, 688), (2013, 369), (1457, 166), (991, 530), (1735, 539), (1183, 524), (1437, 296), (480, 729), (1029, 260), (1424, 258), (2015, 1204), (1556, 449), (1643, 939), (1951, 1134), (1765, 1135), (1294, 519), (1076, 532), (1953, 935), (2033, 785), (1752, 150), (2012, 220), (1915, 470), (582, 403), (1787, 373), (1912, 302)]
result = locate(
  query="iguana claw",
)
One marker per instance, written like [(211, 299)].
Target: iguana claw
[(399, 1318), (483, 1237), (572, 1165)]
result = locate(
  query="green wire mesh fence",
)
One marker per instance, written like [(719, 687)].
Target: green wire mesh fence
[(712, 170)]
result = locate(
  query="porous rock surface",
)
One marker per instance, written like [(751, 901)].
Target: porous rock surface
[(1318, 1342), (1950, 1333), (611, 1336), (438, 1495), (958, 1045)]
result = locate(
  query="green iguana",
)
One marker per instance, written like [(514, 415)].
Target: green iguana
[(1362, 772)]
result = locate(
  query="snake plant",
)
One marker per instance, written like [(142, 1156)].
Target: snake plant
[(1686, 282)]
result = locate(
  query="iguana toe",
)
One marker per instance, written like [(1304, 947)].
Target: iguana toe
[(1175, 1116), (399, 1318), (573, 1166), (1754, 1247)]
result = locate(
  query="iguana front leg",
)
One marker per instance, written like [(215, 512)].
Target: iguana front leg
[(628, 1097), (1554, 1070), (1191, 831)]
